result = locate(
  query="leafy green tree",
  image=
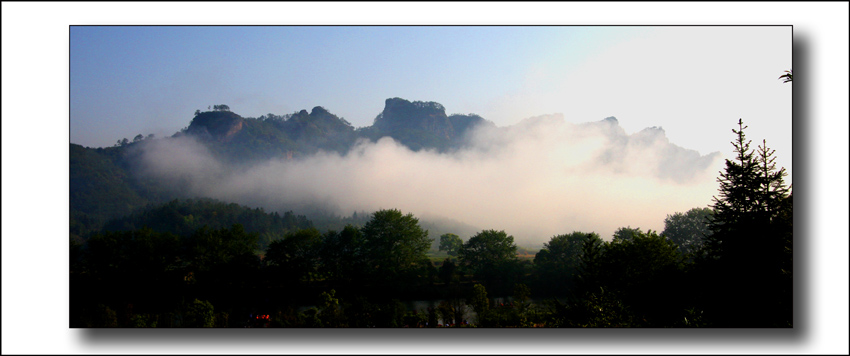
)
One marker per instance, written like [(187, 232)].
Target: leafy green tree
[(557, 262), (630, 265), (626, 233), (492, 256), (450, 243), (394, 246), (342, 255), (689, 229), (297, 254), (637, 276)]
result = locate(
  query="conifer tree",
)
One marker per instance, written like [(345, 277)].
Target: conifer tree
[(773, 190), (737, 202), (750, 238)]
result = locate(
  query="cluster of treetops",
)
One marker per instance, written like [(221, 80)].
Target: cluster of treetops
[(202, 263)]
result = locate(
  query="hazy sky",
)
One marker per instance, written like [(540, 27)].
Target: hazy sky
[(694, 82)]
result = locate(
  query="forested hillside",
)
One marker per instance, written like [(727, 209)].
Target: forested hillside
[(105, 183)]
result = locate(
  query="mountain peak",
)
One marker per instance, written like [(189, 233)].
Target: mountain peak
[(218, 125)]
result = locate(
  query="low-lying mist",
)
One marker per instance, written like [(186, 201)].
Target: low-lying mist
[(536, 179)]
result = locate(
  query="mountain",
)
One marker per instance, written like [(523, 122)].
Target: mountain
[(246, 140), (100, 187), (319, 130), (104, 184), (422, 125), (216, 125)]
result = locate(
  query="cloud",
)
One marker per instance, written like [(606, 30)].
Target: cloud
[(538, 178)]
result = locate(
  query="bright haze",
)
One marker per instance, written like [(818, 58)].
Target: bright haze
[(553, 164)]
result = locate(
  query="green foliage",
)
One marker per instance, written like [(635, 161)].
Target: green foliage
[(184, 217), (199, 314), (214, 249), (556, 265), (451, 243), (394, 245), (318, 130), (100, 188), (297, 255), (143, 321), (492, 256), (214, 125), (331, 315), (642, 273), (342, 255), (626, 233), (640, 257), (689, 229), (421, 125)]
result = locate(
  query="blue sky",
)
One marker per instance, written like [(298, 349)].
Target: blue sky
[(153, 78)]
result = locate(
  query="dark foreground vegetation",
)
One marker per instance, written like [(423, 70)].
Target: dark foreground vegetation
[(202, 263)]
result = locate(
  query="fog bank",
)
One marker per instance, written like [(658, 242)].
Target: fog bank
[(541, 177)]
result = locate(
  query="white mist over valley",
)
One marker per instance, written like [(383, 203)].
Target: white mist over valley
[(538, 178)]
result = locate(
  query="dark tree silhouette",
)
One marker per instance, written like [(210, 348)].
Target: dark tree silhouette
[(749, 239)]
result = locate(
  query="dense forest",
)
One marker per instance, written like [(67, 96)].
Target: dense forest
[(146, 254)]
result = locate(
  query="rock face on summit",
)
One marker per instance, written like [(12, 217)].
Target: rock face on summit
[(421, 124), (400, 114), (215, 125)]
